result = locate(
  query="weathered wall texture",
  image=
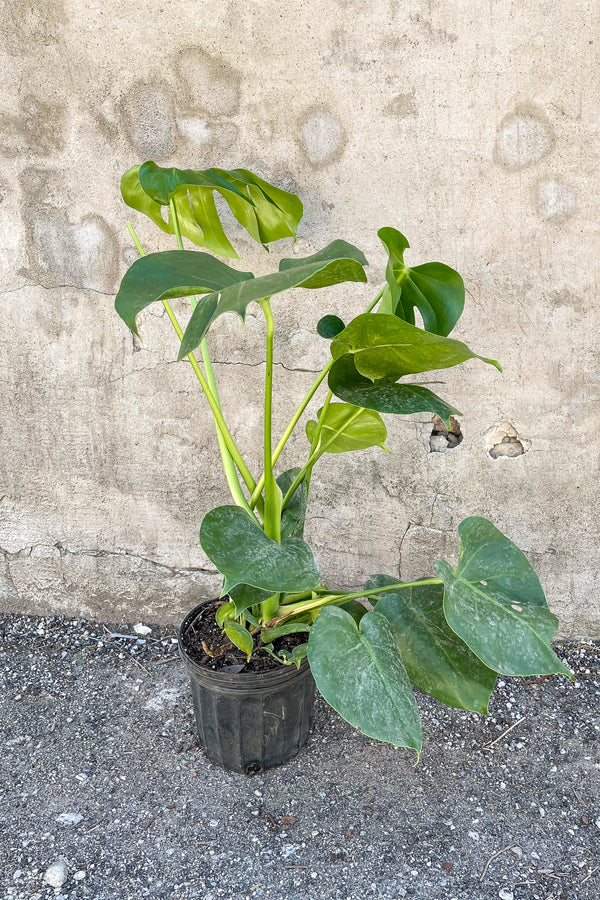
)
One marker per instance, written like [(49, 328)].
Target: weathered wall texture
[(471, 126)]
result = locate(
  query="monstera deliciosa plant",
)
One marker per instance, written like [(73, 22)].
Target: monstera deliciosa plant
[(448, 635)]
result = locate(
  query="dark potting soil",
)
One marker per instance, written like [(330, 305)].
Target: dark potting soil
[(208, 646)]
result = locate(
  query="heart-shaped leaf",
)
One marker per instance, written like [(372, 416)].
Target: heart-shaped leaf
[(294, 514), (384, 396), (268, 213), (436, 290), (386, 347), (336, 263), (347, 427), (495, 603), (244, 554), (436, 660), (173, 273), (359, 671)]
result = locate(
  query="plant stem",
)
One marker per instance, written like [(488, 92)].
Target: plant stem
[(272, 517), (339, 598), (223, 433)]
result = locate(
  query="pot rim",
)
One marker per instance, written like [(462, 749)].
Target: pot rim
[(241, 680)]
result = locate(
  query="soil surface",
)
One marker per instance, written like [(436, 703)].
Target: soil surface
[(206, 644), (103, 788)]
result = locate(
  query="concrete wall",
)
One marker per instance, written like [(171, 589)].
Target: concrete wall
[(471, 126)]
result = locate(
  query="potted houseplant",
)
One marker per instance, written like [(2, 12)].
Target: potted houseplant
[(251, 653)]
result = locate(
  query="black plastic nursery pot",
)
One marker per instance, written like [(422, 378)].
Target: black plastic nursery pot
[(249, 722)]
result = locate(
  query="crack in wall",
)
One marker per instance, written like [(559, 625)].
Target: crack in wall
[(57, 287)]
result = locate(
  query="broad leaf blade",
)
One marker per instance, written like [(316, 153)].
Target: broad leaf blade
[(244, 554), (359, 671), (384, 396), (320, 270), (134, 196), (436, 290), (244, 596), (436, 660), (495, 603), (384, 346), (173, 273), (347, 427), (240, 637), (294, 514)]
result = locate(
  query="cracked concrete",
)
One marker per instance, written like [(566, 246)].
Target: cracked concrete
[(105, 444)]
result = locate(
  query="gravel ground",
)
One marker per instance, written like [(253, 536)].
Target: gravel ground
[(101, 779)]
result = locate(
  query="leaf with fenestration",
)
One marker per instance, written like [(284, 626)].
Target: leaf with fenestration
[(436, 290), (347, 427), (330, 326), (383, 395), (495, 603), (294, 514), (436, 660), (267, 212), (384, 346), (359, 671), (336, 263), (173, 273), (244, 554)]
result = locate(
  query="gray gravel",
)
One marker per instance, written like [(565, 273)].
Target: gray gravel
[(101, 780)]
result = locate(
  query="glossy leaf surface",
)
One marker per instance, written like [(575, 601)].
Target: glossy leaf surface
[(386, 347), (336, 263), (244, 596), (240, 637), (495, 603), (244, 554), (359, 429), (294, 514), (173, 273), (436, 660), (384, 396), (267, 212), (359, 671), (436, 290)]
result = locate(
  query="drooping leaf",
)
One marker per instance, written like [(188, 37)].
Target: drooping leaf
[(294, 514), (384, 346), (495, 603), (336, 263), (245, 595), (268, 213), (383, 395), (244, 554), (240, 637), (173, 273), (359, 671), (436, 660), (436, 290), (330, 326), (347, 427)]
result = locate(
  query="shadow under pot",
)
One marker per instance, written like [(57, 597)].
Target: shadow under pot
[(248, 722)]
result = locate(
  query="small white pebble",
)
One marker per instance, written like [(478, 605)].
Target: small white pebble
[(140, 628), (79, 876), (56, 874), (505, 895)]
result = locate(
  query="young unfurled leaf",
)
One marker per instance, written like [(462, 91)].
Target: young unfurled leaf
[(347, 427), (495, 603), (240, 637), (436, 290), (225, 611)]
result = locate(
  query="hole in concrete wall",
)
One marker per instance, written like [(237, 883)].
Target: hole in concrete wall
[(442, 438), (502, 441)]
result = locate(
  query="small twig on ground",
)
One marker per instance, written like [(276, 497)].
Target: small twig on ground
[(588, 876), (138, 663), (493, 857), (490, 744), (161, 662), (295, 867)]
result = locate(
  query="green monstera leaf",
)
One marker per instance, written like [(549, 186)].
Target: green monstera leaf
[(384, 346), (268, 213), (336, 263), (346, 427), (244, 554), (359, 671), (173, 273), (436, 660), (495, 603), (346, 382), (436, 290)]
